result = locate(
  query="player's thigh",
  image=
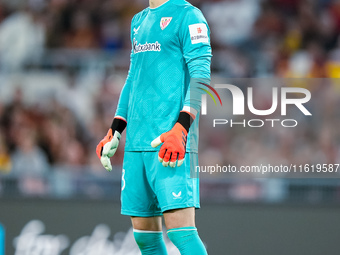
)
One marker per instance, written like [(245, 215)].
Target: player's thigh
[(175, 188), (179, 218), (147, 223), (137, 196)]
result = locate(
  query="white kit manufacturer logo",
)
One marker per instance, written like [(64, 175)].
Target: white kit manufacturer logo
[(177, 196), (135, 30)]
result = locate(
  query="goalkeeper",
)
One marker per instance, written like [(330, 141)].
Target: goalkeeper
[(159, 107)]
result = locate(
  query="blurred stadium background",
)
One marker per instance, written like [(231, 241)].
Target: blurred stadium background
[(62, 66)]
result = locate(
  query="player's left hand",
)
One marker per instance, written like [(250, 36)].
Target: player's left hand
[(173, 149)]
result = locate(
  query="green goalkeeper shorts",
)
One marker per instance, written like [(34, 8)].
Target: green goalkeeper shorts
[(149, 188)]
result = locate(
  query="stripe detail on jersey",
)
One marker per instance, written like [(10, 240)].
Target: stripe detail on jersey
[(192, 111), (120, 117)]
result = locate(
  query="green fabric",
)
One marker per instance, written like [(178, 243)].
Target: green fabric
[(150, 243), (187, 241)]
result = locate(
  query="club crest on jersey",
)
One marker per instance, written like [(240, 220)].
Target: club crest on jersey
[(165, 21)]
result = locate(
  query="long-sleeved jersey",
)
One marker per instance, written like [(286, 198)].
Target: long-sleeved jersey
[(170, 48)]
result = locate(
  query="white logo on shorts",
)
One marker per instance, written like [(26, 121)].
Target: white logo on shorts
[(177, 196)]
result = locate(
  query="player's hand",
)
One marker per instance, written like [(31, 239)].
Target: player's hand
[(107, 148), (173, 149)]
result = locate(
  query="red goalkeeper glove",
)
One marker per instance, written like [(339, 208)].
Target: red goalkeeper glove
[(173, 149), (107, 147)]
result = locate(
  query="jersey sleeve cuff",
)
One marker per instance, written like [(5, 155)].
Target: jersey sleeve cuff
[(119, 124), (185, 119), (190, 110)]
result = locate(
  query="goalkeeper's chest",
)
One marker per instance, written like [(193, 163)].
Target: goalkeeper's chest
[(156, 35)]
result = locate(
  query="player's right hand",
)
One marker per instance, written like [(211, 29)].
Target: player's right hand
[(107, 148)]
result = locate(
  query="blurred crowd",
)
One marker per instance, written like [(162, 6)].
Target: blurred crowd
[(250, 38), (287, 38), (56, 131), (47, 143), (284, 38)]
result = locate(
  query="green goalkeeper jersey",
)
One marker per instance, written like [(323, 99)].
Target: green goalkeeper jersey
[(170, 48)]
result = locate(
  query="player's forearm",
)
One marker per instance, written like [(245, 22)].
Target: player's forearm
[(199, 70), (122, 107), (123, 103), (200, 67)]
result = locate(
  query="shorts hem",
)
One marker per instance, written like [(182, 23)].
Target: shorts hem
[(179, 206), (140, 214)]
